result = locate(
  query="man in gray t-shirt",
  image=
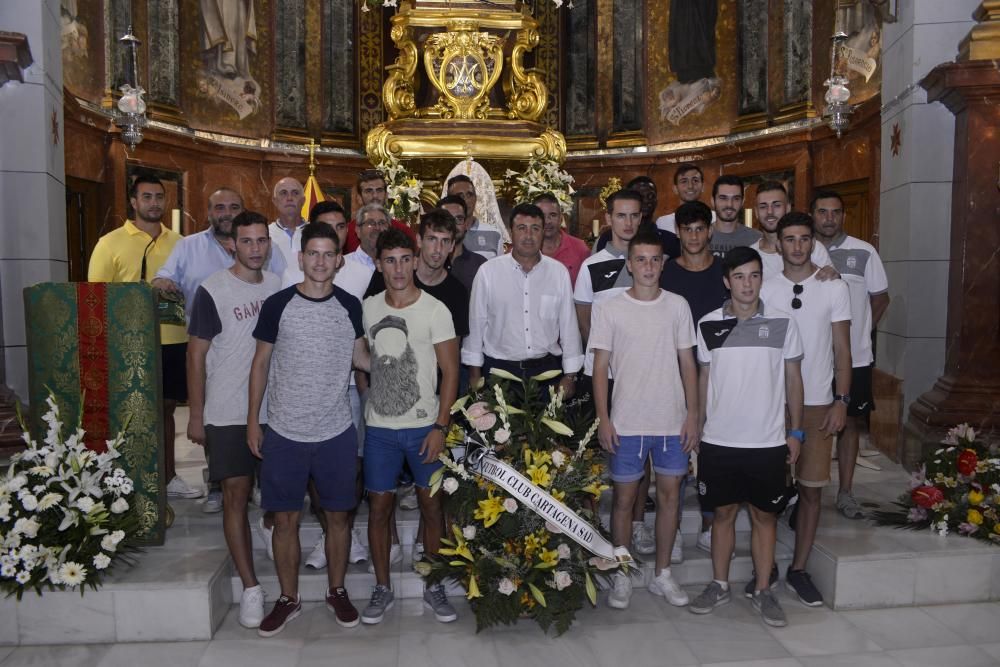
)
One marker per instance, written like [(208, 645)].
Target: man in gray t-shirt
[(728, 231)]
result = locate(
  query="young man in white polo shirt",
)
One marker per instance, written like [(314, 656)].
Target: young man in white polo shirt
[(751, 354), (645, 337), (822, 312), (861, 268)]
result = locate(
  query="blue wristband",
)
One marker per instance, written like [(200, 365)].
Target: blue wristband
[(798, 434)]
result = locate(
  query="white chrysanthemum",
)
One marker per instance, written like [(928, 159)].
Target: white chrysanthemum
[(119, 505), (23, 577), (101, 561), (72, 574), (49, 500), (558, 458), (7, 571), (27, 527)]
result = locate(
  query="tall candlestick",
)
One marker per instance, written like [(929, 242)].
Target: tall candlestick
[(596, 226), (175, 220)]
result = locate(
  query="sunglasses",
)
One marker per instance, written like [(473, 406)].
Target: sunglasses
[(796, 301)]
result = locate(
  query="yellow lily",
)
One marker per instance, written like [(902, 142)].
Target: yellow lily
[(595, 488), (473, 589), (461, 546), (490, 510), (548, 557), (540, 475)]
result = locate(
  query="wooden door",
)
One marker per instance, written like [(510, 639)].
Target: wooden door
[(83, 202)]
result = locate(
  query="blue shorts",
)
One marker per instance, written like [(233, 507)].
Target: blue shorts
[(288, 465), (385, 451), (629, 461)]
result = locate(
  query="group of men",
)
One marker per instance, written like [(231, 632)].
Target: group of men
[(322, 356)]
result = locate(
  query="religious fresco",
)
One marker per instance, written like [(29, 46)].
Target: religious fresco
[(82, 36), (691, 73), (861, 56), (226, 64)]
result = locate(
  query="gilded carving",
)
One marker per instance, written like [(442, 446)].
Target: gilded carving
[(398, 91), (463, 65), (525, 89)]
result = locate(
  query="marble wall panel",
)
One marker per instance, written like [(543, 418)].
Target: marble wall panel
[(628, 66), (339, 65), (164, 52), (290, 66), (797, 55), (581, 69), (753, 56)]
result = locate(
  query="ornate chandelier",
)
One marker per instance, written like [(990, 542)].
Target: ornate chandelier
[(130, 116), (837, 112)]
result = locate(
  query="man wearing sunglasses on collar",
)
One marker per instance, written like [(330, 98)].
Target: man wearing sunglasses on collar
[(822, 312)]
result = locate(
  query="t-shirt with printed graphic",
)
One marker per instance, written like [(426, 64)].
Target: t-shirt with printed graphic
[(745, 406), (483, 240), (643, 338), (601, 277), (311, 361), (403, 362), (861, 268), (723, 242), (823, 302), (225, 311)]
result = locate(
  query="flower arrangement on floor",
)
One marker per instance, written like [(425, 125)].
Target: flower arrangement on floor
[(513, 562), (541, 176), (956, 489), (64, 512), (402, 190)]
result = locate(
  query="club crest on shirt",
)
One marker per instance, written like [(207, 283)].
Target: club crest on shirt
[(852, 262), (763, 331)]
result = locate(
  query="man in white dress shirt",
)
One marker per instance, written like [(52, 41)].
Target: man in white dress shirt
[(521, 316)]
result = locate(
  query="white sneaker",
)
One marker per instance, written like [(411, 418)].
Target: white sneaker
[(621, 591), (408, 497), (252, 607), (358, 551), (705, 540), (677, 552), (213, 503), (642, 539), (395, 558), (178, 488), (417, 554), (266, 535), (317, 559), (665, 585)]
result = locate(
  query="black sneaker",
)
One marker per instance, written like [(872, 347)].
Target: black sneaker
[(285, 609), (800, 583), (650, 505), (751, 586)]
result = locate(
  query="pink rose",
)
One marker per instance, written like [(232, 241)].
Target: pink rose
[(481, 417)]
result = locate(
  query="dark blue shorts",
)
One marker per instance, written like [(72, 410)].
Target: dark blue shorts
[(385, 450), (288, 465)]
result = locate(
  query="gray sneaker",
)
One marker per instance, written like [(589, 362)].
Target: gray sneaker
[(713, 596), (769, 608), (849, 506), (436, 600), (381, 602), (751, 586)]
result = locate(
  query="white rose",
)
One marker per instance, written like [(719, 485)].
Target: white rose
[(501, 435), (16, 482), (562, 579), (506, 586), (101, 561), (510, 505), (558, 458), (27, 527), (563, 551), (4, 511), (450, 485), (85, 503), (469, 532), (30, 502), (119, 505)]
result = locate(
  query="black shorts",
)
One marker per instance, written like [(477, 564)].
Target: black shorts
[(174, 363), (228, 453), (862, 401), (733, 475)]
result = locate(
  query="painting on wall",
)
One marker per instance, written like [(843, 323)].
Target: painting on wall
[(82, 37), (691, 72), (226, 65), (861, 55)]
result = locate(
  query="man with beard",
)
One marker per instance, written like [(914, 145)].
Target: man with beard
[(521, 316), (565, 248), (689, 183), (286, 232), (729, 232), (480, 239), (646, 189), (770, 207), (198, 256), (411, 335), (132, 253), (223, 315), (464, 263), (308, 337), (372, 190)]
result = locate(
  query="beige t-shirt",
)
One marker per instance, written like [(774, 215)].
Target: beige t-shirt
[(643, 338), (403, 362)]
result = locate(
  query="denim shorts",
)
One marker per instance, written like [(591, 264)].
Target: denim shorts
[(629, 460), (288, 465), (385, 451)]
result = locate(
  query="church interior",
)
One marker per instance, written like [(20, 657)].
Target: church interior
[(894, 104)]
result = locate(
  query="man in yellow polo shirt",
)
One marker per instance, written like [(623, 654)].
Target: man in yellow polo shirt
[(134, 252)]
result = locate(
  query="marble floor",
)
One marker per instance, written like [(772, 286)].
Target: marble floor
[(648, 633)]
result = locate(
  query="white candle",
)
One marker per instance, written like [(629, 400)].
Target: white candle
[(175, 220), (596, 226)]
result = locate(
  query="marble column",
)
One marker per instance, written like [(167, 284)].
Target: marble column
[(32, 177), (969, 389), (916, 191)]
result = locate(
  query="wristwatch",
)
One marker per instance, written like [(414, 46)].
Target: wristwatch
[(798, 434), (843, 398), (439, 427)]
